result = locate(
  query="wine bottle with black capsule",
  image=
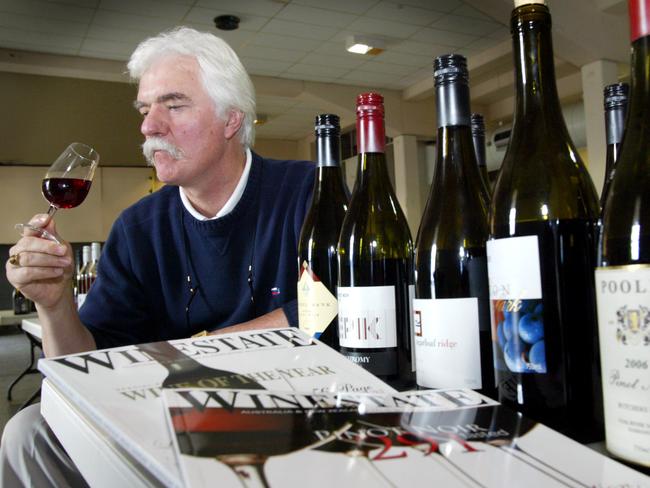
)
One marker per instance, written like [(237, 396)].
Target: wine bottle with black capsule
[(21, 304), (478, 139), (615, 100), (541, 252), (82, 276), (375, 256), (623, 272), (317, 261), (453, 342)]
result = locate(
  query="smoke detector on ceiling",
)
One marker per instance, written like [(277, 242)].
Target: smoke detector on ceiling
[(226, 22)]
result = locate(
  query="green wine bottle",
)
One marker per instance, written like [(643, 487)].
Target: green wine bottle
[(317, 260), (623, 273), (375, 255), (541, 253), (478, 138), (453, 343), (615, 100)]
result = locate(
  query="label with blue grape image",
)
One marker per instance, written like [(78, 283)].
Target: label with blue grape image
[(516, 309)]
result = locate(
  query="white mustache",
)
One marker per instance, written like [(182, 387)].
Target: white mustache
[(159, 144)]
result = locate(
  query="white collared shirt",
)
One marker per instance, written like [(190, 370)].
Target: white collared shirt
[(232, 201)]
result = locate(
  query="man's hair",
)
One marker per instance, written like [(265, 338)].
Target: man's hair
[(222, 73)]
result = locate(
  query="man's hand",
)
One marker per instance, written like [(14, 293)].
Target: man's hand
[(40, 268)]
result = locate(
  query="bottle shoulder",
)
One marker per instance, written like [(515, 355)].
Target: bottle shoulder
[(453, 219), (550, 183)]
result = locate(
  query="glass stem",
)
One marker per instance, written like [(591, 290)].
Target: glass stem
[(50, 213)]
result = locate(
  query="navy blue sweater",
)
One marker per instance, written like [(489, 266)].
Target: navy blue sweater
[(142, 291)]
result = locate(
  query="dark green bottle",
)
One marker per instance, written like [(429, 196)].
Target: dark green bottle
[(375, 253), (541, 255), (615, 100), (623, 273), (478, 139), (451, 287), (317, 260)]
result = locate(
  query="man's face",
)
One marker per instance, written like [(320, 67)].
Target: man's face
[(178, 111)]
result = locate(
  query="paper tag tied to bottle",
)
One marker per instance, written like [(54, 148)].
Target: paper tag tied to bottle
[(317, 306)]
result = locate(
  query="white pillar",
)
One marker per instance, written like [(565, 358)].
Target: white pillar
[(408, 179), (595, 76)]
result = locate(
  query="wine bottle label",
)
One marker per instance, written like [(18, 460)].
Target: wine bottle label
[(448, 353), (516, 309), (367, 316), (81, 298), (623, 302), (412, 326), (317, 307)]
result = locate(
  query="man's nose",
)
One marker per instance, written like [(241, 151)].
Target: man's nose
[(154, 123)]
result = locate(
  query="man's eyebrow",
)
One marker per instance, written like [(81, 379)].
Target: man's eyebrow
[(177, 96)]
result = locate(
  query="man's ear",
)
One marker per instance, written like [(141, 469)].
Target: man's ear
[(233, 123)]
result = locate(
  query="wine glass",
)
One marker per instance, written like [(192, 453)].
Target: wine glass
[(66, 183)]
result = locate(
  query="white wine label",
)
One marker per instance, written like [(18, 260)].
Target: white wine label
[(448, 353), (516, 309), (367, 316), (623, 301), (317, 307), (412, 326)]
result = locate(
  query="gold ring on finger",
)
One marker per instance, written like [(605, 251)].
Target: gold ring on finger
[(14, 259)]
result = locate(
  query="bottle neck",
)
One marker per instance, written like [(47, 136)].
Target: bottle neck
[(479, 149), (614, 125), (371, 135), (638, 123), (167, 355), (534, 68), (452, 105), (328, 150)]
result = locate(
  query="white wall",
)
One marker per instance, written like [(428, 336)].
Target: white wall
[(113, 190)]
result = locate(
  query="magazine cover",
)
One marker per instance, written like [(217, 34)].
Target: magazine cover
[(446, 438), (119, 390)]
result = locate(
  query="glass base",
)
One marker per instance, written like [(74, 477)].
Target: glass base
[(37, 231)]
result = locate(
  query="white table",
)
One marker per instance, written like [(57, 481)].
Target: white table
[(32, 330), (8, 317), (32, 326), (102, 462)]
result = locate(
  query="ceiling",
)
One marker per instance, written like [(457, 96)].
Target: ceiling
[(288, 39)]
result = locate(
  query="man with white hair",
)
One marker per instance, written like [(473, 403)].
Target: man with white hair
[(215, 249)]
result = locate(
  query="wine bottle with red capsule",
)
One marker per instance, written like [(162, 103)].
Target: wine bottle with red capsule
[(623, 272), (375, 257)]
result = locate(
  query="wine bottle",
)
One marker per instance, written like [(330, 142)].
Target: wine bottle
[(375, 257), (21, 304), (317, 263), (453, 341), (95, 251), (186, 372), (615, 101), (623, 273), (478, 139), (82, 276), (78, 263), (541, 251)]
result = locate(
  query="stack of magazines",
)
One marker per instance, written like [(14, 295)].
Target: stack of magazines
[(277, 408)]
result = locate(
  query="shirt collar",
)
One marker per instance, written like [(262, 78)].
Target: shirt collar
[(232, 201)]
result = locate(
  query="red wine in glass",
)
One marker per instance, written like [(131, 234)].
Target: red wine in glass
[(66, 183), (65, 192)]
